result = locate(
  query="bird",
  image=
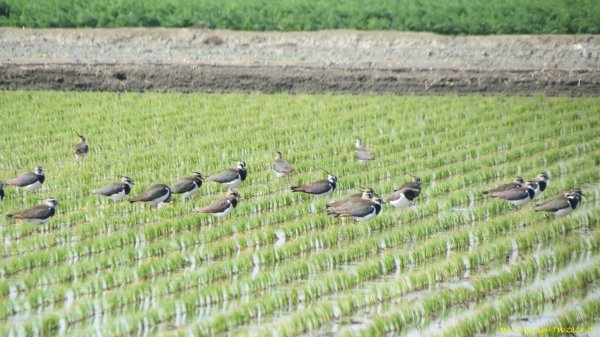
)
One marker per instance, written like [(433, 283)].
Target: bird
[(39, 214), (358, 209), (561, 205), (232, 177), (155, 194), (221, 207), (187, 186), (367, 194), (281, 167), (542, 182), (81, 149), (115, 191), (518, 196), (518, 182), (29, 181), (362, 153), (1, 191), (403, 197), (320, 187)]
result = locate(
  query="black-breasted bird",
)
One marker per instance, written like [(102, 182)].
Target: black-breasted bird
[(187, 186), (366, 194), (221, 207), (358, 209), (281, 167), (403, 197), (518, 182), (155, 194), (320, 187), (518, 196), (81, 149), (29, 181), (563, 204), (232, 177), (37, 214), (362, 153), (115, 191), (542, 182)]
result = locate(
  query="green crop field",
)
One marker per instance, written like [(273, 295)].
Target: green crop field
[(455, 264), (445, 17)]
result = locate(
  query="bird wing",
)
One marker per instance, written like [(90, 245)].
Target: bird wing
[(316, 187), (354, 207), (216, 206), (23, 180), (183, 185), (152, 193), (342, 202), (502, 188), (512, 194), (364, 154), (224, 177), (109, 190), (36, 212), (553, 205), (81, 148), (282, 166)]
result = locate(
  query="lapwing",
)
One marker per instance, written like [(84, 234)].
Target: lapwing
[(518, 196), (29, 181), (542, 182), (38, 214), (232, 177), (281, 167), (320, 187), (403, 197), (362, 153), (187, 186), (367, 194), (221, 207), (81, 149), (1, 191), (358, 209), (155, 194), (561, 205), (115, 191), (518, 182)]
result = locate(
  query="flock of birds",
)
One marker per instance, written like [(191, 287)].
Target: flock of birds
[(360, 207)]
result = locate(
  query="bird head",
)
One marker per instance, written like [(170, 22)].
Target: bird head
[(127, 180), (38, 170), (51, 202), (277, 155), (543, 176), (82, 138)]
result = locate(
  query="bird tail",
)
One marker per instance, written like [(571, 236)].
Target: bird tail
[(297, 189), (486, 192), (10, 215), (95, 191)]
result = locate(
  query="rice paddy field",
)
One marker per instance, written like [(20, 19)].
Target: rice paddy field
[(457, 263)]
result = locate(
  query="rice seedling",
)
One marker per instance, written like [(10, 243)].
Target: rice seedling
[(169, 271)]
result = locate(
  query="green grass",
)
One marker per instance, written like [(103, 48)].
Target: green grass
[(445, 17), (457, 264)]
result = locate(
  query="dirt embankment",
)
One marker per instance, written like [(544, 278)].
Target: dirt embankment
[(327, 61)]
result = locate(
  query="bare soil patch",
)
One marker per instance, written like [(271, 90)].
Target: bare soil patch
[(190, 60)]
